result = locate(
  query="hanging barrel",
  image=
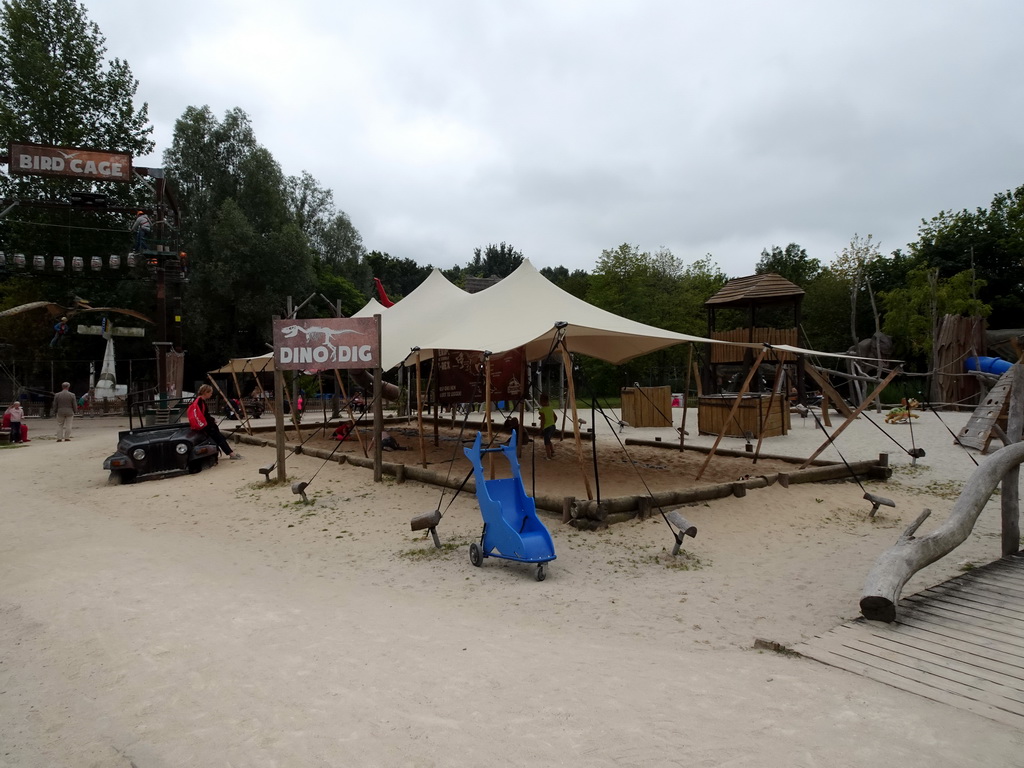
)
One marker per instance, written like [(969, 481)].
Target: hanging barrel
[(58, 263), (19, 259), (77, 263), (96, 262), (114, 261), (39, 262)]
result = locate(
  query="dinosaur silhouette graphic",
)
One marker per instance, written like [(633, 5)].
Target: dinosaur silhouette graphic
[(318, 334)]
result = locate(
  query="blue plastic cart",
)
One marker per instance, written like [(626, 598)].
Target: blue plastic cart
[(512, 530)]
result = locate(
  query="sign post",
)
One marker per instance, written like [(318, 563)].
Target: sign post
[(328, 343)]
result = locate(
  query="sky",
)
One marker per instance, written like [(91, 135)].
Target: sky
[(565, 128)]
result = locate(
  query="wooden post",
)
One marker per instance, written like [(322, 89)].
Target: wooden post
[(378, 413), (1009, 497), (686, 397), (295, 421), (279, 437)]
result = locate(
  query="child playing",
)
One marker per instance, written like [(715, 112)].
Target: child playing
[(547, 425)]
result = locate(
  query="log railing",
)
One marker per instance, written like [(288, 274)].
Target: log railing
[(909, 555)]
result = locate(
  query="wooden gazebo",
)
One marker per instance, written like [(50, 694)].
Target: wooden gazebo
[(752, 295)]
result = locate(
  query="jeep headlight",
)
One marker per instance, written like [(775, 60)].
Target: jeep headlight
[(139, 454), (181, 448)]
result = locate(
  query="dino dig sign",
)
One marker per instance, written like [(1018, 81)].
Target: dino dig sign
[(326, 343)]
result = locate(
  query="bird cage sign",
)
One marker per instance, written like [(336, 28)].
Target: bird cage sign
[(39, 262), (77, 263), (58, 263), (96, 262), (114, 261), (19, 259), (131, 261)]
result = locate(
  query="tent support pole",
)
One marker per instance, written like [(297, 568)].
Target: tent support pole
[(487, 412), (567, 366), (419, 411)]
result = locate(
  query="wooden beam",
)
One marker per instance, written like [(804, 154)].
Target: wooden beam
[(860, 408), (836, 398), (735, 408)]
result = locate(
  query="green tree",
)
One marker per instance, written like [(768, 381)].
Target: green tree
[(494, 260), (658, 289), (913, 311), (247, 248), (57, 88), (399, 276), (792, 263), (989, 242), (576, 282)]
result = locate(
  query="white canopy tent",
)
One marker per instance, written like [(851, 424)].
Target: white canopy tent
[(523, 310), (426, 312)]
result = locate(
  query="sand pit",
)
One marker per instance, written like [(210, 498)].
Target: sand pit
[(215, 620)]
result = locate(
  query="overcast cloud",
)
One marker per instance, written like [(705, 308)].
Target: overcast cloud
[(566, 127)]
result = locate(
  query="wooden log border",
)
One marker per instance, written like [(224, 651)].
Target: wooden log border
[(620, 508)]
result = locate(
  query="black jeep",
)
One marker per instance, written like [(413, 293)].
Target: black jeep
[(160, 450)]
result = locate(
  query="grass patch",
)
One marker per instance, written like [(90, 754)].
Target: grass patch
[(429, 552)]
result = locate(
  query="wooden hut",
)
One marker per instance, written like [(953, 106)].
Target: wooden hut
[(753, 296)]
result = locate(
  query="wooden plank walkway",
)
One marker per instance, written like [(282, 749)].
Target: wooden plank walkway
[(960, 643)]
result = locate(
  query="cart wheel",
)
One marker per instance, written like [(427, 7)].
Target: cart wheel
[(541, 575), (476, 555)]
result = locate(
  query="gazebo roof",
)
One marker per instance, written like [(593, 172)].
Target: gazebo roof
[(756, 290)]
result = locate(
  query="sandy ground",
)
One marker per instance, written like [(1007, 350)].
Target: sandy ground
[(213, 620)]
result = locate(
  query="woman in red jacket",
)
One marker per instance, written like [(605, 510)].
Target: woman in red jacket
[(200, 420)]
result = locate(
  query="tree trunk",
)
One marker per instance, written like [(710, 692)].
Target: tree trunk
[(909, 555)]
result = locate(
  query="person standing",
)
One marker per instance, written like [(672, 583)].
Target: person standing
[(142, 226), (200, 420), (65, 406), (16, 416), (547, 425)]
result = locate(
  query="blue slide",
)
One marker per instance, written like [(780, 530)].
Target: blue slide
[(987, 365), (512, 529)]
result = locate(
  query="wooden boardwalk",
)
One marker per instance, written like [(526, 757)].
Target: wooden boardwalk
[(960, 643)]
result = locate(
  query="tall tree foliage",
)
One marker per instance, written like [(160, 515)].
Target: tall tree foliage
[(792, 263), (57, 88), (989, 242), (398, 276), (658, 289), (914, 310), (246, 245), (500, 260)]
